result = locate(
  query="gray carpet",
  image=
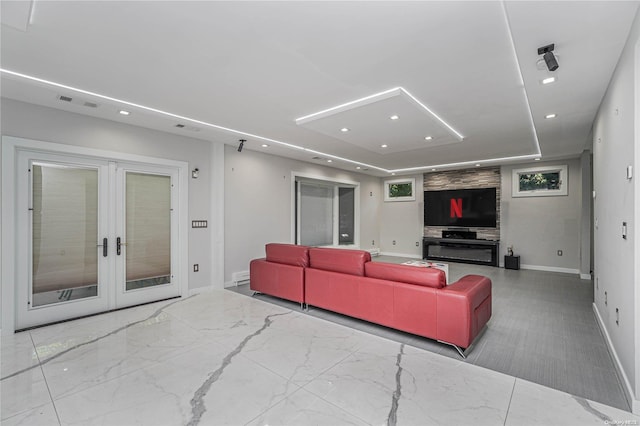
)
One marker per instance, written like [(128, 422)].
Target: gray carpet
[(543, 329)]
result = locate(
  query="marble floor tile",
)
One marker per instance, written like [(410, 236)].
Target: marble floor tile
[(221, 358), (40, 416), (305, 408), (306, 348)]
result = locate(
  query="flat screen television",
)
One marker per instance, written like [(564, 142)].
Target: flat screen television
[(461, 207)]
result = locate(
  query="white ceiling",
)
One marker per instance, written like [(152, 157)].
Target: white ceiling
[(232, 70)]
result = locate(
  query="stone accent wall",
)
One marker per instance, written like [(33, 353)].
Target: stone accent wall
[(487, 177)]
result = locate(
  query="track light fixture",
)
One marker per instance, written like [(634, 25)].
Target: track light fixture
[(549, 57), (242, 141)]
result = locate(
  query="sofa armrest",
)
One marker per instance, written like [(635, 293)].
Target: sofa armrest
[(463, 309)]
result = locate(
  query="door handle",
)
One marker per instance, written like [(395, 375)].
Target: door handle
[(119, 245), (105, 247)]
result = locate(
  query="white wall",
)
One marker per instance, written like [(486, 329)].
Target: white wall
[(50, 125), (537, 227), (258, 202), (402, 222), (617, 267)]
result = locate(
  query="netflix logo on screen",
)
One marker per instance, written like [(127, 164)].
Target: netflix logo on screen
[(461, 207), (456, 208)]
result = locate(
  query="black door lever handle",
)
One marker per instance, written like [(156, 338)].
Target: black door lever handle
[(105, 248)]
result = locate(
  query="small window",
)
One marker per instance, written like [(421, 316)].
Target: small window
[(400, 190), (540, 181)]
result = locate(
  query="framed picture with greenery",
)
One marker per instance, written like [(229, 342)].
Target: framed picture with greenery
[(545, 181), (400, 190)]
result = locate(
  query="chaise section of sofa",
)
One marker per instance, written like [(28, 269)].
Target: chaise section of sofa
[(407, 298), (281, 273)]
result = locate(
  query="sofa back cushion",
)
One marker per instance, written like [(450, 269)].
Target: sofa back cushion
[(289, 254), (338, 260), (428, 277)]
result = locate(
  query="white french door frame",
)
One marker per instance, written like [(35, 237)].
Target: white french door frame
[(11, 147), (324, 181)]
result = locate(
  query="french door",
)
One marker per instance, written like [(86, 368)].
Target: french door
[(92, 235)]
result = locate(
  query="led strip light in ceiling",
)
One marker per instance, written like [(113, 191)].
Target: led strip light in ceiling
[(275, 141)]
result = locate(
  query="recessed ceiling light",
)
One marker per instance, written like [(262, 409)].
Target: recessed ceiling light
[(393, 174), (264, 145), (394, 117), (329, 161), (548, 80), (123, 112), (433, 170), (428, 138), (344, 130), (550, 116), (477, 165), (358, 168), (383, 145), (537, 159)]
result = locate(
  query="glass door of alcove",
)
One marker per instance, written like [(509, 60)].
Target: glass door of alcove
[(62, 245)]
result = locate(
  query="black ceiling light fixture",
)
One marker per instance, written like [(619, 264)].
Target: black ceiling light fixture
[(549, 57), (242, 141)]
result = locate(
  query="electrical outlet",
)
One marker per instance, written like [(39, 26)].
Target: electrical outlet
[(373, 242), (417, 244), (394, 242), (597, 283), (559, 252), (605, 299), (617, 316), (196, 267)]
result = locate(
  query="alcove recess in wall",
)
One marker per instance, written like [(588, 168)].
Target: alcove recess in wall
[(487, 177)]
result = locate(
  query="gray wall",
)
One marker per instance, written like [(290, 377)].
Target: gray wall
[(537, 227), (50, 125), (258, 200), (616, 142), (401, 221)]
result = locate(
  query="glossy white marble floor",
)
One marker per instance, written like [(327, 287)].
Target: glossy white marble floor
[(222, 358)]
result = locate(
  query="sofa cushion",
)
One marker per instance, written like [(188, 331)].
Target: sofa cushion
[(338, 260), (428, 277), (289, 254)]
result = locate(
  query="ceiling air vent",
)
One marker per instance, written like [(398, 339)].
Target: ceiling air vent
[(65, 98), (91, 104), (317, 158), (188, 127)]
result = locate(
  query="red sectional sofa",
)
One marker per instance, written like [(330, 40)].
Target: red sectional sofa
[(408, 298)]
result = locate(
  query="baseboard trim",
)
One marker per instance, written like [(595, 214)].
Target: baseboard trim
[(551, 269), (411, 256), (627, 389)]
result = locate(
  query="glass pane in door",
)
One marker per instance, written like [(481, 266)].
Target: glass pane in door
[(64, 233), (147, 230), (346, 215), (316, 215)]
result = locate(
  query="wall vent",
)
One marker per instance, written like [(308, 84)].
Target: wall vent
[(180, 126), (65, 98)]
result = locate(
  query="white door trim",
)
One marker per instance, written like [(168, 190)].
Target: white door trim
[(10, 147)]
